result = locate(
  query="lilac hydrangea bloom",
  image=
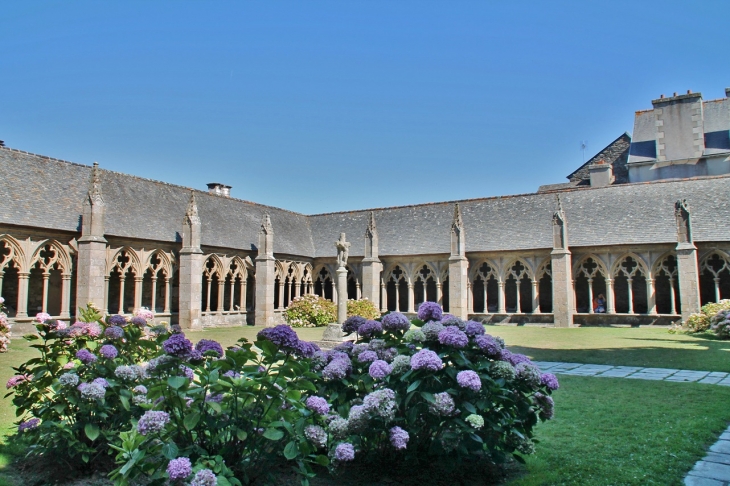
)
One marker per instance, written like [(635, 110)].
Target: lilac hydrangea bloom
[(42, 317), (140, 390), (473, 328), (108, 351), (69, 379), (337, 369), (546, 405), (489, 346), (138, 321), (338, 427), (92, 391), (432, 330), (381, 403), (344, 452), (502, 370), (430, 311), (528, 373), (187, 372), (316, 435), (370, 329), (306, 349), (506, 355), (232, 374), (426, 359), (367, 356), (152, 421), (443, 404), (114, 332), (101, 382), (129, 373), (379, 369), (204, 477), (357, 419), (401, 364), (85, 356), (29, 425), (318, 405), (16, 380), (515, 359), (179, 469), (352, 324), (205, 345), (217, 398), (398, 438), (178, 345), (117, 320), (344, 347), (469, 379), (395, 321), (453, 321), (282, 336), (453, 336), (550, 381)]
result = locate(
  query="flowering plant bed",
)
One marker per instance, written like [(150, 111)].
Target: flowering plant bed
[(310, 310)]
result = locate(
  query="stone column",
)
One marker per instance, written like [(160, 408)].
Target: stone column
[(560, 261), (518, 284), (371, 266), (610, 308), (440, 293), (341, 294), (383, 296), (672, 298), (221, 295), (168, 295), (397, 296), (65, 296), (191, 270), (91, 277), (411, 298), (501, 306), (470, 297), (631, 295), (535, 298), (137, 292), (458, 268), (717, 288), (687, 270), (44, 301), (22, 310), (265, 271), (280, 303), (590, 296), (650, 297), (153, 303), (243, 295)]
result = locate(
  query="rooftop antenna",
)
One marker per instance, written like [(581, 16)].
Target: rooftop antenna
[(583, 145)]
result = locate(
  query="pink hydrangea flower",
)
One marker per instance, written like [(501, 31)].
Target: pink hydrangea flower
[(42, 317)]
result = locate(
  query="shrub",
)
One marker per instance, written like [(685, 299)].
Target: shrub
[(702, 321), (364, 308), (4, 328), (720, 323), (310, 310), (79, 394), (444, 391), (235, 415)]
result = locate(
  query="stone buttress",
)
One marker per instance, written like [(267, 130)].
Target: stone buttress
[(265, 275), (458, 267), (191, 269)]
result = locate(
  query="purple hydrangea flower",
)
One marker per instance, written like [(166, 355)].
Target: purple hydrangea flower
[(217, 398), (16, 380), (140, 390), (282, 336), (127, 372), (306, 349), (205, 345), (489, 346), (69, 379), (85, 356), (352, 324), (117, 320), (395, 321), (367, 356), (344, 452), (114, 332), (344, 347), (92, 391), (528, 373), (380, 402), (379, 369), (101, 382), (473, 328), (546, 405), (443, 404), (432, 330), (337, 369), (316, 435), (426, 359), (152, 421), (29, 425), (108, 351), (138, 321), (550, 381), (469, 379), (453, 321), (179, 469), (178, 345), (515, 359), (187, 372), (453, 336), (204, 477), (398, 438), (430, 311), (370, 329), (318, 405), (232, 374)]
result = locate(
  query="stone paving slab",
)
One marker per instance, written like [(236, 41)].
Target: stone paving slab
[(711, 470), (700, 481), (717, 457)]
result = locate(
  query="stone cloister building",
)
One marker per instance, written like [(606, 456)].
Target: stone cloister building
[(644, 222)]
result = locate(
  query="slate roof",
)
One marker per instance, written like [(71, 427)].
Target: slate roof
[(615, 153), (41, 192)]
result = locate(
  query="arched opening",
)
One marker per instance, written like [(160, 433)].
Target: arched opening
[(666, 286), (545, 289), (714, 278), (630, 290), (518, 289), (9, 288), (590, 284)]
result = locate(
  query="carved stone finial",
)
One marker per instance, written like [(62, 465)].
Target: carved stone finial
[(684, 224), (560, 239), (266, 226), (458, 222), (95, 196), (371, 238), (266, 239), (343, 251), (371, 230), (458, 247), (191, 214)]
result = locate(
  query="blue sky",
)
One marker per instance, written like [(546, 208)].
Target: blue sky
[(328, 106)]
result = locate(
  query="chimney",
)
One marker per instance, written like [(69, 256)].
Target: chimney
[(218, 189), (601, 174), (727, 92)]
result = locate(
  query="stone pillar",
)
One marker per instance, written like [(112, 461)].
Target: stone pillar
[(672, 298), (138, 292), (265, 271), (191, 270), (458, 268), (560, 261), (153, 303), (383, 296), (22, 310), (397, 296), (650, 296), (535, 298), (341, 294), (221, 295), (91, 283), (440, 293), (411, 298), (44, 301), (610, 307), (631, 295), (687, 269), (470, 292), (65, 296), (501, 306), (590, 296), (168, 294), (372, 267)]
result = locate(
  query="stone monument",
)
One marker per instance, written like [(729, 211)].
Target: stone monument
[(343, 251)]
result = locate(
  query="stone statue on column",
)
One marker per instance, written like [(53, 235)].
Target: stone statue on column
[(265, 275), (560, 261), (191, 269), (458, 267), (687, 269), (343, 251), (371, 265)]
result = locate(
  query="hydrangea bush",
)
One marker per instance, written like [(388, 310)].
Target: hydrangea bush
[(363, 307), (310, 310), (4, 328), (431, 388), (232, 417), (79, 394), (720, 323), (702, 321)]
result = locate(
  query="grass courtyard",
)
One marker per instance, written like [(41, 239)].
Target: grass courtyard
[(605, 431)]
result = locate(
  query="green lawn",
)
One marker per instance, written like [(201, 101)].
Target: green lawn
[(606, 431), (654, 348)]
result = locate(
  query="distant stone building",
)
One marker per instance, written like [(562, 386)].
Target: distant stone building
[(644, 222)]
